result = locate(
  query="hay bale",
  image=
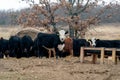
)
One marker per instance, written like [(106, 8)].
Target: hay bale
[(32, 34)]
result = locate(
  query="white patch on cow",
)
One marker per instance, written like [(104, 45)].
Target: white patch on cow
[(61, 47), (93, 41), (62, 35)]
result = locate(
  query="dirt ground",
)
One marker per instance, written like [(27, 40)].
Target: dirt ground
[(48, 69)]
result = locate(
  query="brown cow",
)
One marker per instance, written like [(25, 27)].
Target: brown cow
[(68, 46)]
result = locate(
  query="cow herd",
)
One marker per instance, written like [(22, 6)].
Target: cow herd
[(46, 45)]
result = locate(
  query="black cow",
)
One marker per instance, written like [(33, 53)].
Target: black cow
[(27, 43), (15, 46), (105, 43), (101, 43), (4, 47), (77, 44), (46, 41)]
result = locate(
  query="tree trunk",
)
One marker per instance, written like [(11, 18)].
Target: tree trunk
[(71, 31), (54, 27), (76, 34)]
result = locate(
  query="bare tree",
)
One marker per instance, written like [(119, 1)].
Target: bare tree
[(74, 9), (41, 14), (45, 14)]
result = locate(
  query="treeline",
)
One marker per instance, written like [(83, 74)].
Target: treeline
[(111, 15), (9, 17)]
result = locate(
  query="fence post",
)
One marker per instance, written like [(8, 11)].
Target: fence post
[(102, 55), (114, 56), (82, 54)]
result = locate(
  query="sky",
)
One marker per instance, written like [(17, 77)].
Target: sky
[(12, 4), (18, 4)]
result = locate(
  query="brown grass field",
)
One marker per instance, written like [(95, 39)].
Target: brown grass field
[(47, 69), (105, 31)]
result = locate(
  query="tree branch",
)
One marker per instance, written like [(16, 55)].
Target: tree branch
[(84, 7)]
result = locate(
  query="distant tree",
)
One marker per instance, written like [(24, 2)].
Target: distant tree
[(3, 16), (13, 18), (8, 17)]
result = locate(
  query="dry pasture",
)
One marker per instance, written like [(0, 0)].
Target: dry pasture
[(47, 69), (109, 31)]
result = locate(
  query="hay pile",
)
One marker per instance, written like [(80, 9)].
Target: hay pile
[(32, 32)]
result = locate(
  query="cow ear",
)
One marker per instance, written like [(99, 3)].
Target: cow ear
[(88, 39), (1, 38), (66, 32), (97, 39), (57, 33)]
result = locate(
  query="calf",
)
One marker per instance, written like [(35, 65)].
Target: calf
[(50, 42), (26, 43), (4, 47)]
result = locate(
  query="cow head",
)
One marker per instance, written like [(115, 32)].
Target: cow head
[(92, 42), (62, 35)]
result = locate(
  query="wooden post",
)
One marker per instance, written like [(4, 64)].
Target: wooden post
[(102, 56), (82, 54), (114, 56), (94, 58)]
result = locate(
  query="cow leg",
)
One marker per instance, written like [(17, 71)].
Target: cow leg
[(49, 52), (38, 53), (12, 53), (60, 54), (28, 53), (41, 52), (54, 53), (18, 53), (25, 52), (1, 55), (71, 53), (4, 56)]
